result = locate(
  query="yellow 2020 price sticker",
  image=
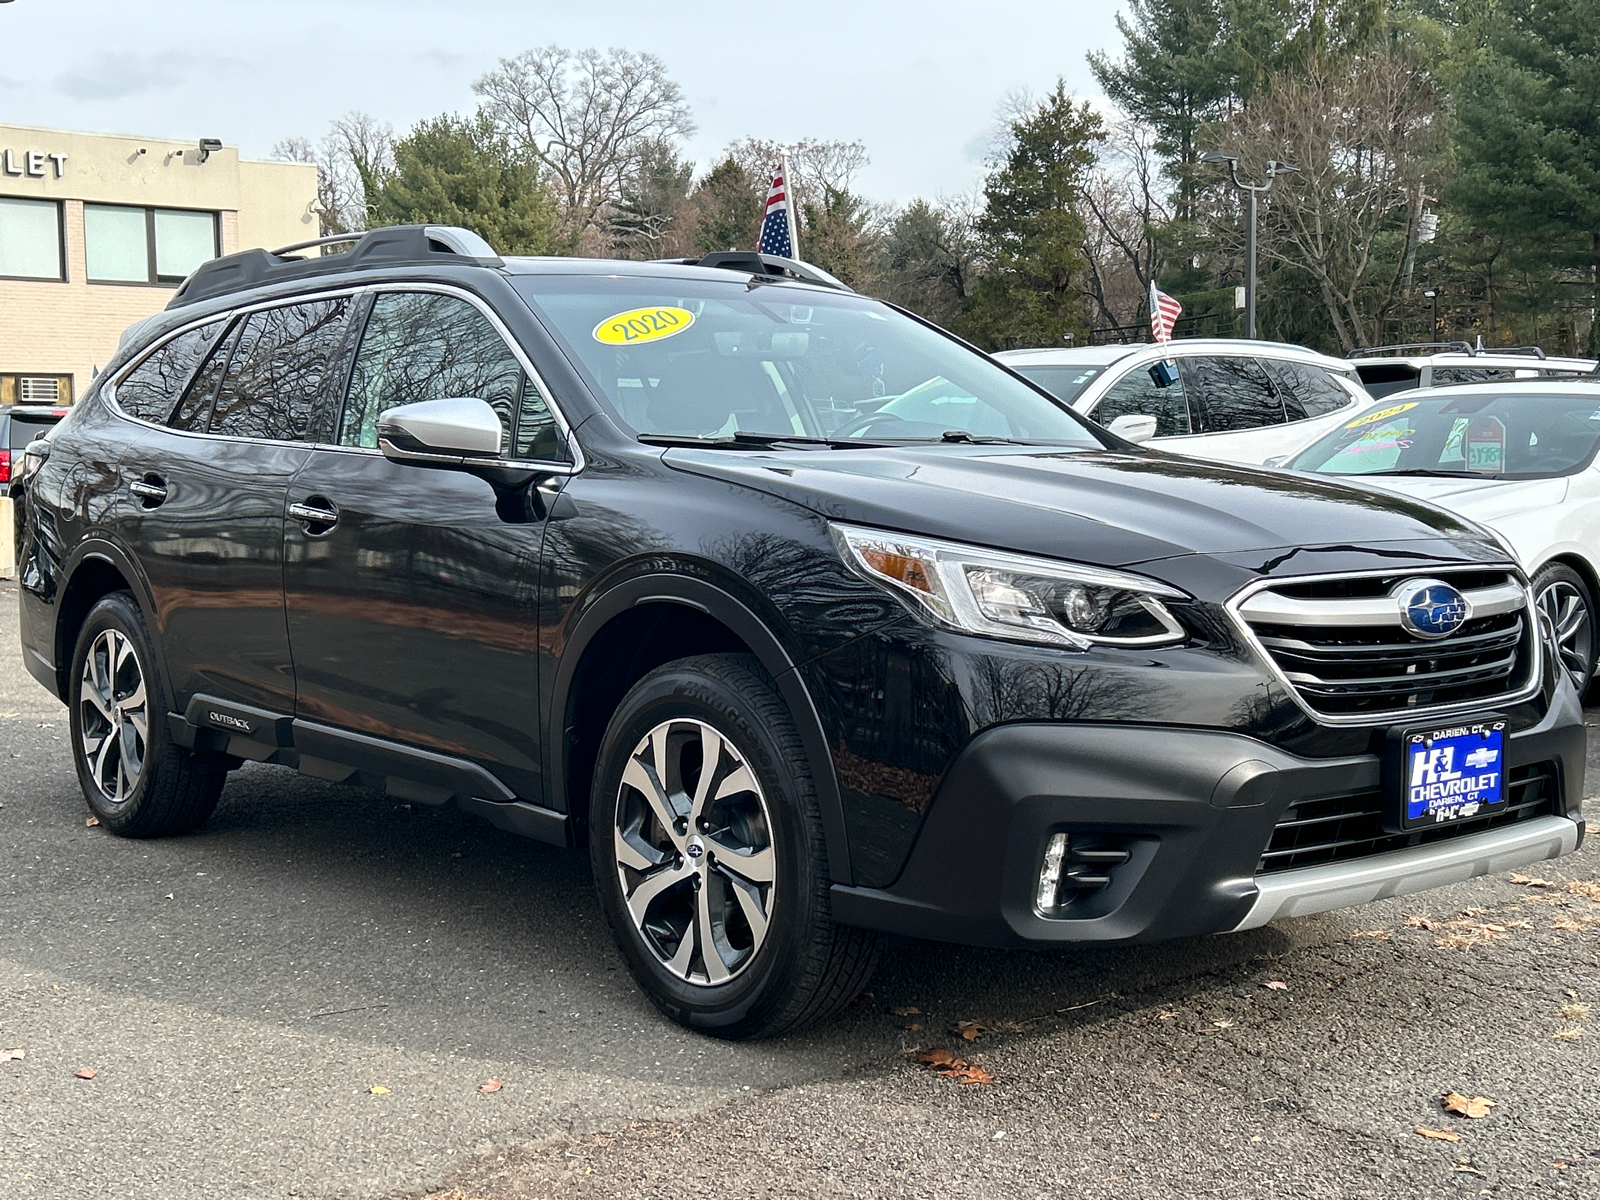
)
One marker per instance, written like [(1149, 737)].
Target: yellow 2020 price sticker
[(643, 325)]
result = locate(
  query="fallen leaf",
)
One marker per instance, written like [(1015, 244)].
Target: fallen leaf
[(914, 1027), (951, 1067), (378, 1089), (908, 1010), (1166, 1014), (1576, 1011), (92, 822), (1276, 985), (1441, 1135), (15, 1054), (1155, 1116), (85, 1073), (1474, 1107), (971, 1073), (489, 1086), (1575, 922), (969, 1031), (1561, 1164), (1588, 888), (1223, 1024), (1530, 881), (1381, 935), (1569, 1035), (1421, 922), (936, 1057)]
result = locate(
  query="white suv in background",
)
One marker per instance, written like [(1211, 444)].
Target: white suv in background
[(1387, 369), (1227, 399)]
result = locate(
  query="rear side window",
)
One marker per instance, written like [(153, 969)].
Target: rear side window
[(1232, 393), (194, 410), (278, 369), (421, 346), (1307, 390), (150, 391), (1139, 392)]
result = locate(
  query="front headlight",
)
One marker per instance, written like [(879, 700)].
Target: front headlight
[(1014, 596)]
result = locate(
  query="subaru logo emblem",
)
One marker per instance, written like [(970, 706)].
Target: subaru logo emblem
[(1430, 608)]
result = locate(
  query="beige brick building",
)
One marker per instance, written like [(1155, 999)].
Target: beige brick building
[(96, 232)]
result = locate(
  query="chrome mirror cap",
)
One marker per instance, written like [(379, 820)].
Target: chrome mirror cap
[(455, 429)]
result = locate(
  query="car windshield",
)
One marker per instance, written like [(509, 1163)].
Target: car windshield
[(701, 359), (1501, 435), (1064, 383)]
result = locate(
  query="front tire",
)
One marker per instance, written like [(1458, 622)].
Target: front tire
[(1565, 598), (709, 858), (137, 781)]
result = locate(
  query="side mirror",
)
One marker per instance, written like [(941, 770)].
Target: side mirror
[(1135, 427), (458, 431)]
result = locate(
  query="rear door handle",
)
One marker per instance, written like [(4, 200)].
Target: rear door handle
[(151, 490), (317, 513)]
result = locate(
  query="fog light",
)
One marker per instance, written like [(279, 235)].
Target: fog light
[(1050, 871)]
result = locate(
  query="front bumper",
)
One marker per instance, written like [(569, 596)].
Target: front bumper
[(1196, 808)]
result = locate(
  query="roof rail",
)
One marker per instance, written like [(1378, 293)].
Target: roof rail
[(753, 263), (1374, 351), (384, 246), (1529, 351)]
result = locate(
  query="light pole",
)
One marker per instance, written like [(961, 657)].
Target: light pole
[(1274, 169)]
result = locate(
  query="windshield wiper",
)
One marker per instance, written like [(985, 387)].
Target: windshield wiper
[(1431, 471), (757, 441)]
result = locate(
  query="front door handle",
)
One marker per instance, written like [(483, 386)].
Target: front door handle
[(318, 513), (151, 490)]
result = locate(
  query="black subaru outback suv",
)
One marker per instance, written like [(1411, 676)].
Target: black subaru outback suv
[(809, 620)]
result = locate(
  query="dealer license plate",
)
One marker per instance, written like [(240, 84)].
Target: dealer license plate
[(1444, 773)]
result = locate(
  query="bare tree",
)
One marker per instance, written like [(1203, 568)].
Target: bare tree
[(1363, 135), (591, 119), (818, 167), (352, 157), (1123, 206)]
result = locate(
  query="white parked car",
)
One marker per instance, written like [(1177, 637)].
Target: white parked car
[(1388, 369), (1227, 399), (1518, 457)]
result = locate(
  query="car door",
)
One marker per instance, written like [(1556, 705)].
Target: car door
[(411, 591), (1239, 413), (210, 483), (1144, 391)]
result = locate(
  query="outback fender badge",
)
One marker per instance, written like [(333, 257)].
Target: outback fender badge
[(229, 722), (1431, 608)]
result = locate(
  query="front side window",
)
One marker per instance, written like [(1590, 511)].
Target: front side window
[(145, 245), (278, 370), (1140, 392), (30, 239), (1233, 393), (1512, 435), (423, 346), (1066, 384), (712, 360), (150, 391)]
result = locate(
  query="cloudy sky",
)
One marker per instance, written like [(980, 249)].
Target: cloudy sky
[(919, 83)]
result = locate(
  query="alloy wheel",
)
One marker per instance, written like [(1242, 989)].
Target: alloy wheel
[(113, 715), (694, 851), (1564, 604)]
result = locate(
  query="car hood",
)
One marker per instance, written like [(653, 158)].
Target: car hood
[(1100, 507), (1485, 500)]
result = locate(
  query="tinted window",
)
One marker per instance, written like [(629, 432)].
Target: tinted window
[(278, 369), (1064, 383), (1307, 390), (194, 410), (1509, 436), (710, 359), (150, 391), (24, 427), (1138, 392), (1472, 374), (1232, 393), (418, 346)]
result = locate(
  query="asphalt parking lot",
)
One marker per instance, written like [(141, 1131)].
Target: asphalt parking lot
[(304, 998)]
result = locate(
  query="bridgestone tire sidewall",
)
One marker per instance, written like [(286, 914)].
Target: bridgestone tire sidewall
[(763, 985), (120, 612)]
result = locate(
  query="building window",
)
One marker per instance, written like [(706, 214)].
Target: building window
[(30, 239), (146, 245), (36, 389)]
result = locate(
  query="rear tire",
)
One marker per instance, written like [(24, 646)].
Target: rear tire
[(715, 884), (138, 782)]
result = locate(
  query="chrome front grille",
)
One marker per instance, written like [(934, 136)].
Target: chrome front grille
[(1340, 644)]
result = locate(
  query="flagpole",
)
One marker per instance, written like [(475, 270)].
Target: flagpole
[(788, 190)]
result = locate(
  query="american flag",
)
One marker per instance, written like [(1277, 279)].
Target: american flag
[(776, 237), (1164, 312)]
